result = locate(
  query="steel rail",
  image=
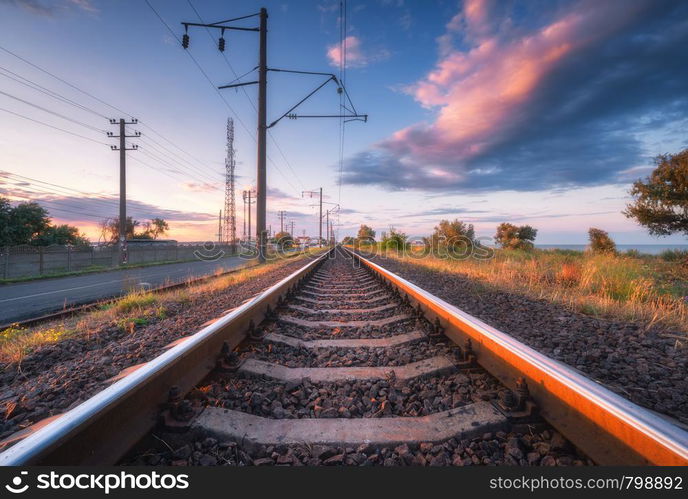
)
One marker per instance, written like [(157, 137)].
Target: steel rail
[(610, 429), (104, 427)]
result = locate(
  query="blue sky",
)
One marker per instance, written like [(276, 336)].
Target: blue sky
[(537, 112)]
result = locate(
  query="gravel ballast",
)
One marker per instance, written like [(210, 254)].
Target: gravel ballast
[(59, 376), (641, 363)]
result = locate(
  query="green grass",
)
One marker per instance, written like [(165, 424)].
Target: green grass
[(16, 342)]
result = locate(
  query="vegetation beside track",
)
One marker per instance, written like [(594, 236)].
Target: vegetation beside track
[(631, 286), (132, 311)]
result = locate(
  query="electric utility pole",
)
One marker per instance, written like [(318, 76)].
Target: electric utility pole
[(263, 68), (311, 194), (281, 214), (247, 204), (122, 148), (219, 228), (334, 209)]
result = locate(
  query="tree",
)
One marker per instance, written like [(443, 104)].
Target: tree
[(62, 235), (348, 241), (600, 242), (366, 235), (5, 222), (109, 229), (661, 201), (284, 240), (27, 221), (394, 239), (511, 236), (156, 227), (454, 236)]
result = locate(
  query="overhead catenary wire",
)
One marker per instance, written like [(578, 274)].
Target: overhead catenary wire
[(251, 102)]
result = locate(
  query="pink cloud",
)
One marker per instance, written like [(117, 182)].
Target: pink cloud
[(482, 94), (356, 57)]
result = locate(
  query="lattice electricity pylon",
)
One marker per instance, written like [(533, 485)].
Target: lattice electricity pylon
[(229, 222)]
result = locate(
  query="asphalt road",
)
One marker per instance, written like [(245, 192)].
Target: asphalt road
[(34, 298)]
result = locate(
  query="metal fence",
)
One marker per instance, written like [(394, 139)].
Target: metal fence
[(29, 261)]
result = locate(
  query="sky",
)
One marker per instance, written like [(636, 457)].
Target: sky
[(489, 111)]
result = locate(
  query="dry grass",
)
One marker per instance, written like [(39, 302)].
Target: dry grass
[(136, 309), (636, 288)]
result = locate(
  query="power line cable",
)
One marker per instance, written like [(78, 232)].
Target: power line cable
[(64, 81), (59, 115), (35, 86), (250, 100), (54, 127)]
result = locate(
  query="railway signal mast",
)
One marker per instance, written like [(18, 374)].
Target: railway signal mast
[(350, 114)]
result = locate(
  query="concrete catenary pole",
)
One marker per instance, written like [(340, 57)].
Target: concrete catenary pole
[(262, 131)]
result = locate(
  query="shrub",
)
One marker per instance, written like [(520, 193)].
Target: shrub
[(456, 236), (365, 235), (394, 239), (674, 255), (600, 242), (510, 236)]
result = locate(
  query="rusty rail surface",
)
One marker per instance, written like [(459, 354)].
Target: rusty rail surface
[(104, 427), (608, 428)]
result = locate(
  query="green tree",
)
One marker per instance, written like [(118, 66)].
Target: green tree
[(511, 236), (453, 236), (62, 235), (348, 241), (365, 235), (156, 227), (661, 200), (28, 221), (394, 239), (284, 240), (109, 229), (600, 242), (5, 222)]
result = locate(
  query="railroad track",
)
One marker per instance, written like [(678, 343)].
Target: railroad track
[(346, 363)]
